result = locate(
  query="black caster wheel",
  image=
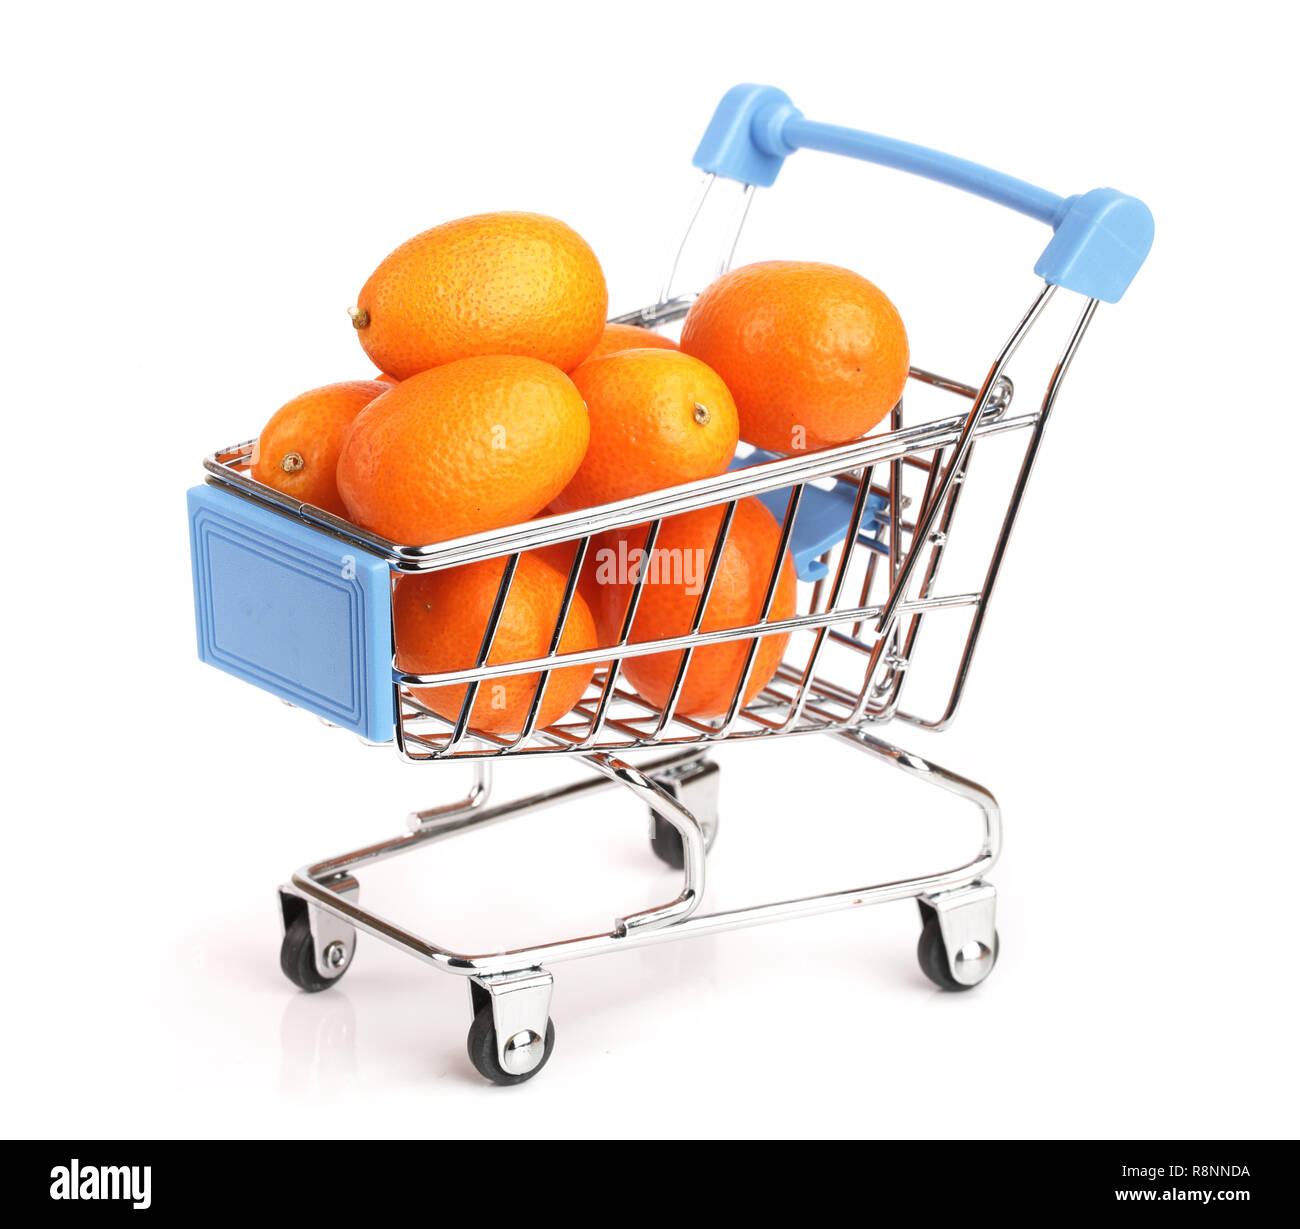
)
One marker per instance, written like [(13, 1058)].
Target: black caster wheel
[(932, 956), (482, 1047), (666, 842), (298, 960)]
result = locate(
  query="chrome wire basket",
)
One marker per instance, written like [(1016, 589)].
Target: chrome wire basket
[(868, 524)]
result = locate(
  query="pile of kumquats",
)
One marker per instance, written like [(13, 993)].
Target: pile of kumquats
[(502, 395)]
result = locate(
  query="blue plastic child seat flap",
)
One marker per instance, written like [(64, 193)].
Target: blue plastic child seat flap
[(293, 611), (822, 519)]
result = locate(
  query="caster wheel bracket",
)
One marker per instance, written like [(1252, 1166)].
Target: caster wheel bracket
[(967, 919), (334, 941), (521, 1008)]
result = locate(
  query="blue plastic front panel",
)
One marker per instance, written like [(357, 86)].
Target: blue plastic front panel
[(292, 611)]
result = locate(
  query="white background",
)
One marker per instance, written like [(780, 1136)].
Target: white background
[(194, 197)]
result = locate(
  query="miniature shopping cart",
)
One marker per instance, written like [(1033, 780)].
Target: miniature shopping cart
[(299, 602)]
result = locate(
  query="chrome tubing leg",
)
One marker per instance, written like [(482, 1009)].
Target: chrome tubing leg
[(433, 818), (959, 940), (663, 802), (444, 822), (695, 785), (926, 770)]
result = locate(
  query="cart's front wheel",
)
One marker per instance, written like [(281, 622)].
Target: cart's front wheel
[(298, 957), (482, 1047), (932, 956)]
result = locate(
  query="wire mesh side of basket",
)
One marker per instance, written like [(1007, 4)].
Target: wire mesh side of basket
[(852, 640), (839, 667), (853, 637)]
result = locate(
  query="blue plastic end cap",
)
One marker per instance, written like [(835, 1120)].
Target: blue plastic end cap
[(1101, 240), (743, 140)]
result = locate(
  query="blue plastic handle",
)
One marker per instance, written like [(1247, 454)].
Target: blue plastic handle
[(1101, 237)]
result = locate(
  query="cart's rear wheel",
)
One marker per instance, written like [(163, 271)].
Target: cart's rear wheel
[(666, 841), (298, 957), (482, 1047), (932, 956)]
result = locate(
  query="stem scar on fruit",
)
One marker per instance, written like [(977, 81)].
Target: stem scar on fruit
[(701, 414), (292, 462), (359, 317)]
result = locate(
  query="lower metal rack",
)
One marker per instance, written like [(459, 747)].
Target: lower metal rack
[(512, 1035)]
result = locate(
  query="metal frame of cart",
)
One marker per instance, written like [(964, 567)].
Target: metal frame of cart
[(876, 583)]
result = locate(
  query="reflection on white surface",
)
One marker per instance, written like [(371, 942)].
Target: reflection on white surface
[(318, 1044)]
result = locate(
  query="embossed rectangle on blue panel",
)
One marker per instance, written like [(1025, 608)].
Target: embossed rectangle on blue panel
[(293, 611)]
